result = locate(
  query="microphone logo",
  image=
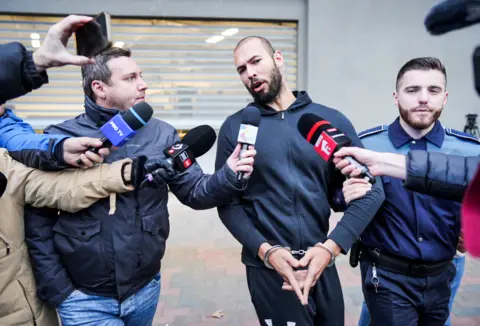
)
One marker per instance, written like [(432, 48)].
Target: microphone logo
[(115, 127), (247, 134), (185, 159), (325, 146), (174, 148)]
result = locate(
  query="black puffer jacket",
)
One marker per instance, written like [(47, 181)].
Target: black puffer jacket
[(440, 175)]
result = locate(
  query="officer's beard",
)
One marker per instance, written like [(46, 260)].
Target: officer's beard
[(417, 121)]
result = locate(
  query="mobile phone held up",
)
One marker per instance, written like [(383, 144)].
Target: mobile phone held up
[(95, 36)]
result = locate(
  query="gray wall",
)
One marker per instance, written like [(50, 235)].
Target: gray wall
[(357, 47), (349, 51)]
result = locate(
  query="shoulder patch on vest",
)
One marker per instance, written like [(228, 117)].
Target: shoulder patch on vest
[(373, 131), (462, 135)]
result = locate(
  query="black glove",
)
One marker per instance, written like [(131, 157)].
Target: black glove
[(138, 171), (155, 173), (159, 173)]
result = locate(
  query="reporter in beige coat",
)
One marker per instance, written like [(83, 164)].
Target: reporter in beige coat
[(68, 190)]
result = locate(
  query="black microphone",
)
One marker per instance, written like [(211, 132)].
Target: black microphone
[(3, 183), (194, 144), (327, 139), (181, 155), (247, 135), (476, 68), (123, 126), (450, 15)]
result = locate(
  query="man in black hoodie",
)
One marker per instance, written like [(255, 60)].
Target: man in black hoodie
[(282, 219)]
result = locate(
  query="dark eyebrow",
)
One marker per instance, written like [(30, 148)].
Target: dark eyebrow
[(249, 60)]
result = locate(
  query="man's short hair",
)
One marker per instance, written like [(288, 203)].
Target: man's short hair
[(266, 43), (100, 70), (424, 63)]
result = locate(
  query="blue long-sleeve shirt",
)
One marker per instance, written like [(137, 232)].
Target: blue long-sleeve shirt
[(18, 76)]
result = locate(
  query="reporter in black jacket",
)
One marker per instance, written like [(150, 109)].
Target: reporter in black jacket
[(431, 173)]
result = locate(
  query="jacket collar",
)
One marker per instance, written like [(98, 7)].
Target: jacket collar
[(399, 137), (302, 100), (98, 114)]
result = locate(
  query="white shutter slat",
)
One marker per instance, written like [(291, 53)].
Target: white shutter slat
[(190, 81)]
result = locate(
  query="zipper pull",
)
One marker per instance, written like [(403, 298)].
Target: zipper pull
[(283, 115), (375, 279)]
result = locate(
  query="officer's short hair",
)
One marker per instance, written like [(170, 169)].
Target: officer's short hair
[(266, 43), (424, 63), (100, 70)]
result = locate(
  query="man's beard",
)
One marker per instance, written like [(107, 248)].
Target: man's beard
[(274, 88), (419, 124)]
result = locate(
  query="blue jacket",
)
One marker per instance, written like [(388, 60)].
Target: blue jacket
[(18, 76), (115, 252), (292, 189)]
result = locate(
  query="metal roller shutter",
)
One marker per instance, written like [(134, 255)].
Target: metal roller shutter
[(187, 64)]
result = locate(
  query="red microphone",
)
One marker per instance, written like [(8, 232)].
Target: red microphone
[(326, 140)]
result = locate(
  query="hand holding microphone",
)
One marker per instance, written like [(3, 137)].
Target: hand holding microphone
[(327, 139), (122, 127), (181, 155)]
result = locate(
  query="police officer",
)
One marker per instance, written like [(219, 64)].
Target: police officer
[(407, 251)]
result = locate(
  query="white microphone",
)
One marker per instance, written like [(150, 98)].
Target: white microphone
[(247, 135)]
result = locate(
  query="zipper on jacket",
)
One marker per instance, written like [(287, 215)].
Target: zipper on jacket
[(295, 195), (137, 209), (7, 246)]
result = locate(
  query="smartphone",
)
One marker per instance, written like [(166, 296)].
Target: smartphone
[(94, 37)]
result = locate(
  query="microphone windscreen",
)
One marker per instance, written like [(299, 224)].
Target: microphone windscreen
[(200, 139), (138, 115), (251, 116), (311, 126), (450, 15)]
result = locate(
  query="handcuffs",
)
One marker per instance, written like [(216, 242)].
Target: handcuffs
[(300, 252)]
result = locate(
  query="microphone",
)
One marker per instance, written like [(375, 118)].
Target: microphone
[(3, 183), (122, 127), (476, 68), (181, 155), (327, 139), (450, 15), (247, 135)]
